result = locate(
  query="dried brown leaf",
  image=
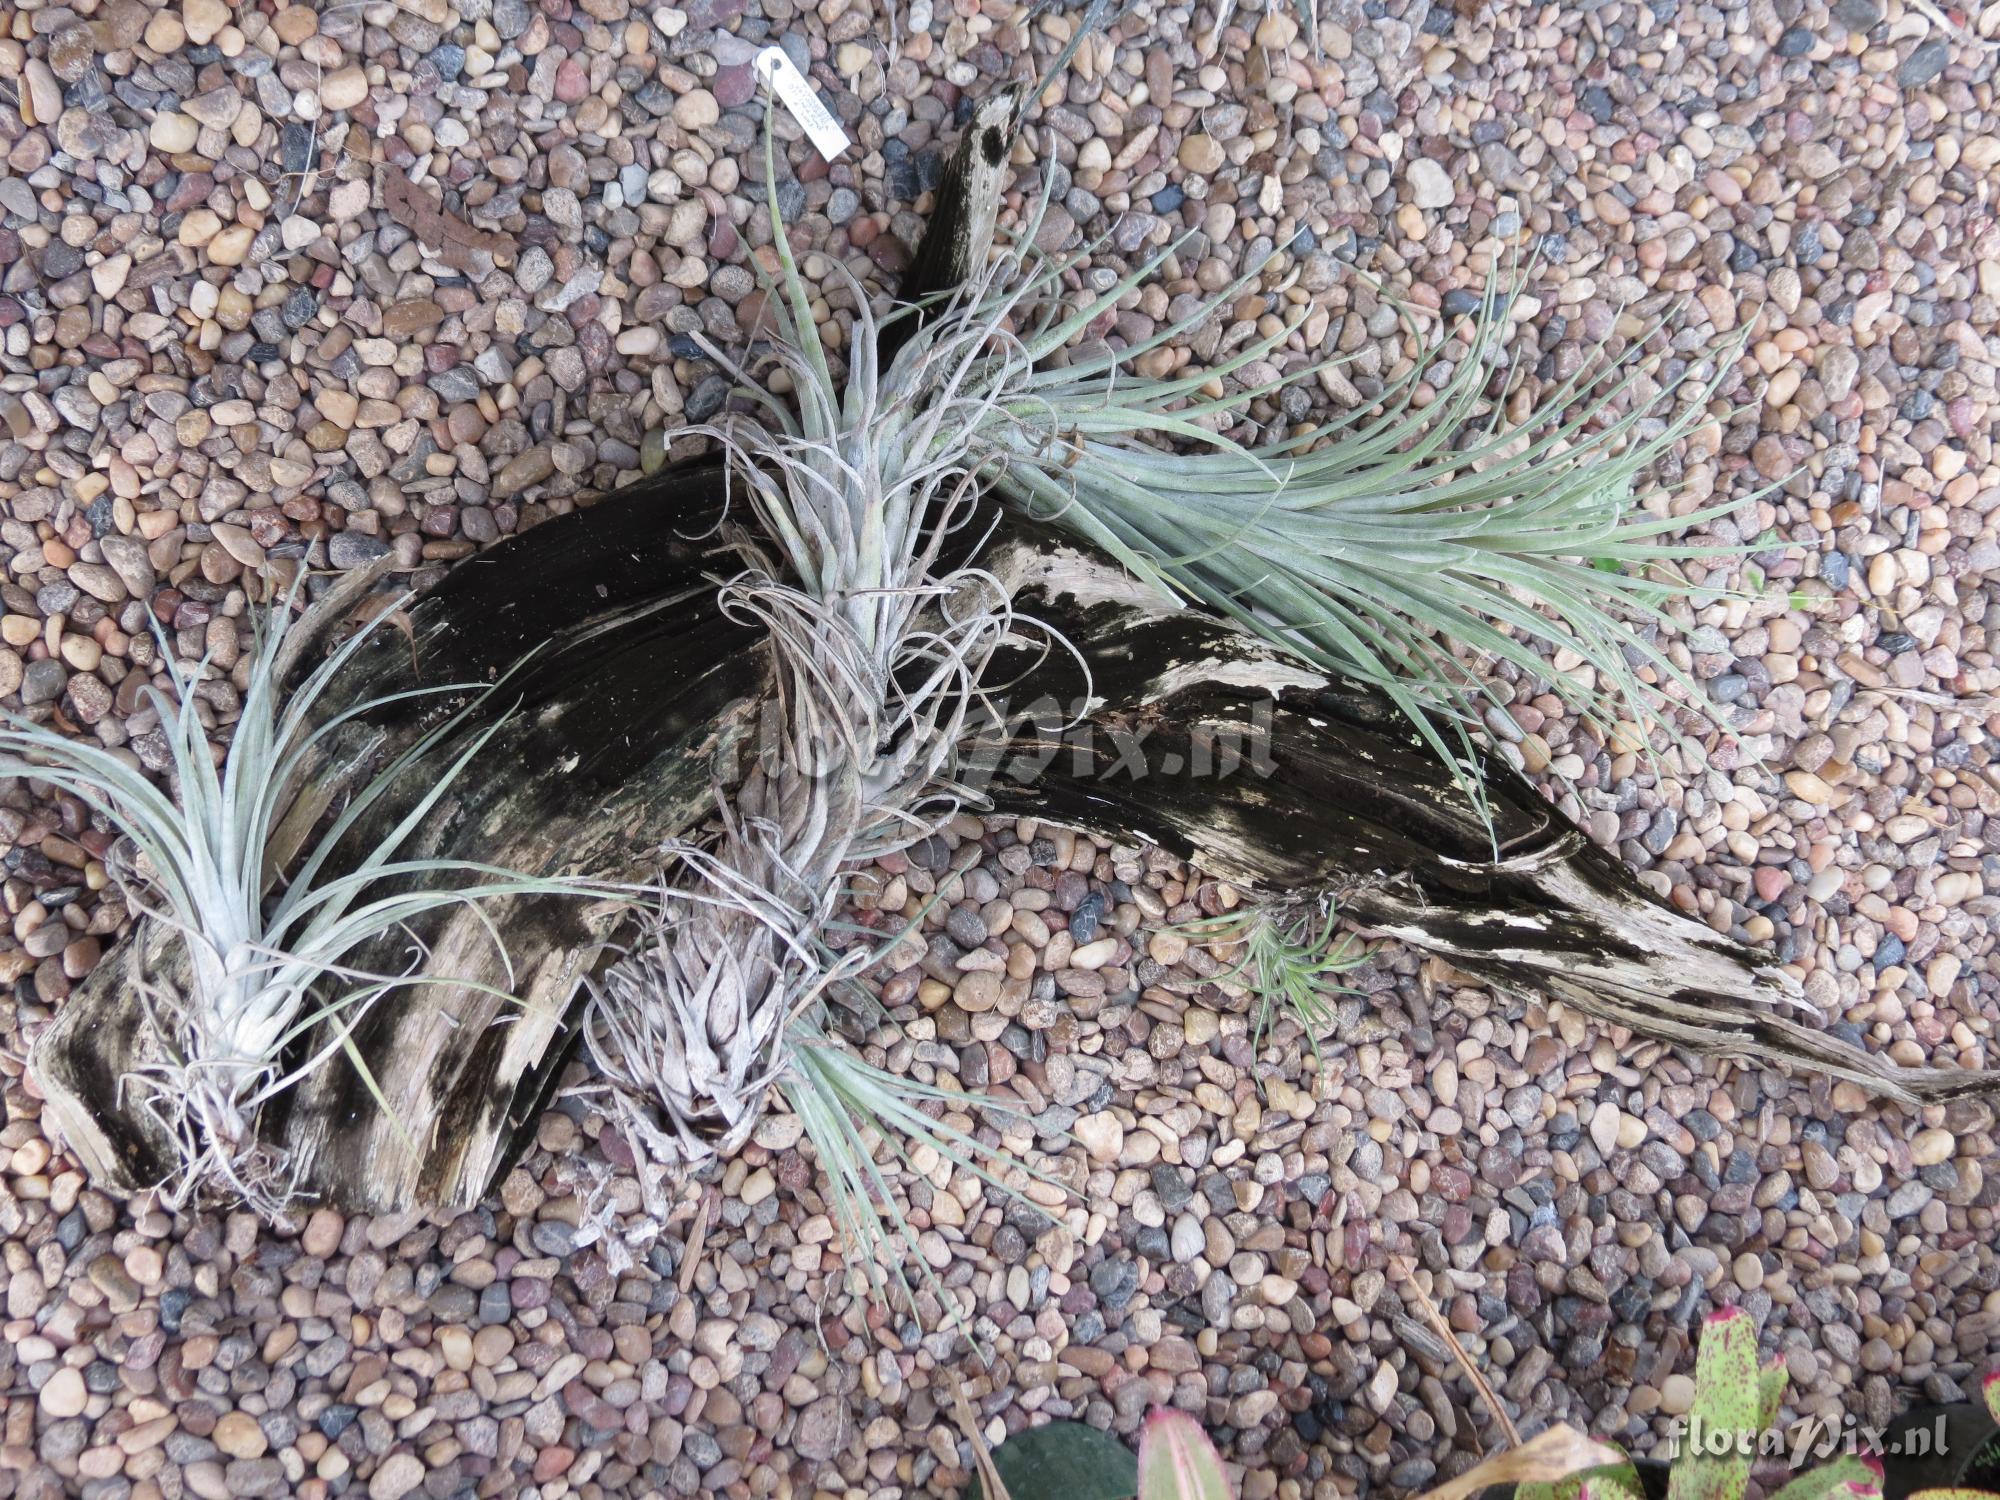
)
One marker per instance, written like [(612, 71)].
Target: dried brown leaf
[(982, 1456), (1543, 1459), (1443, 1330), (457, 243)]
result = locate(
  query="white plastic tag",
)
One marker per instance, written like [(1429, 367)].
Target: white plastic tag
[(798, 96)]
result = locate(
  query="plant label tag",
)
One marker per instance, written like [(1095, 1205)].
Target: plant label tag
[(797, 95)]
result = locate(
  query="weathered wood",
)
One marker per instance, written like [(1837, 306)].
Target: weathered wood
[(635, 680), (959, 236), (610, 751), (1198, 737), (607, 747), (1210, 743)]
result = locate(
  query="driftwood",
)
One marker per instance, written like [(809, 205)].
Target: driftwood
[(634, 681), (1199, 737), (1207, 742), (1196, 736), (606, 750)]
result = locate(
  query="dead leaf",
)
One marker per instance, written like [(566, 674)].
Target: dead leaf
[(982, 1456), (1443, 1331), (1543, 1459), (455, 242)]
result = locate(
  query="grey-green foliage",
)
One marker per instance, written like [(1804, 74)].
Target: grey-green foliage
[(268, 952)]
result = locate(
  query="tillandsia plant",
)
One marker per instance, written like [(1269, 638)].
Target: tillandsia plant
[(887, 537), (1178, 1461), (1409, 544), (1289, 956), (880, 646), (268, 950), (882, 651), (1372, 548)]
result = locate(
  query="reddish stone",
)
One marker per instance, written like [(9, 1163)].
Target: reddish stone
[(733, 85), (193, 188), (572, 83), (553, 1462)]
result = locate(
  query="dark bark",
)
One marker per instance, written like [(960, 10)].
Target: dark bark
[(959, 235), (635, 676), (1202, 739), (1351, 800), (606, 750)]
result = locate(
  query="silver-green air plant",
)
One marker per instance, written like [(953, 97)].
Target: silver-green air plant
[(878, 646), (1408, 544), (1289, 959), (268, 952), (1374, 544)]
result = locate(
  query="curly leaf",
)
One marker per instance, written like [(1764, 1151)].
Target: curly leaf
[(1545, 1458)]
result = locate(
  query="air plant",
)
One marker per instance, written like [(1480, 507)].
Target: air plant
[(881, 644), (854, 1111), (1390, 543), (270, 952), (1287, 958)]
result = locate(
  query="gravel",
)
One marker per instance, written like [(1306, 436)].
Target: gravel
[(221, 354)]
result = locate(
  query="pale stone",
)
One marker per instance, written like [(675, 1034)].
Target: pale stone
[(1429, 187), (108, 275), (1933, 1147), (1102, 1136), (173, 132), (237, 1434), (1094, 955), (348, 201), (203, 19), (344, 88), (696, 110), (64, 1396), (230, 246)]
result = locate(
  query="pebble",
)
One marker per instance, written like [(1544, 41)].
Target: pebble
[(64, 1395), (1202, 155), (238, 1435), (1429, 186), (344, 88), (396, 1476), (1102, 1135), (202, 19)]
